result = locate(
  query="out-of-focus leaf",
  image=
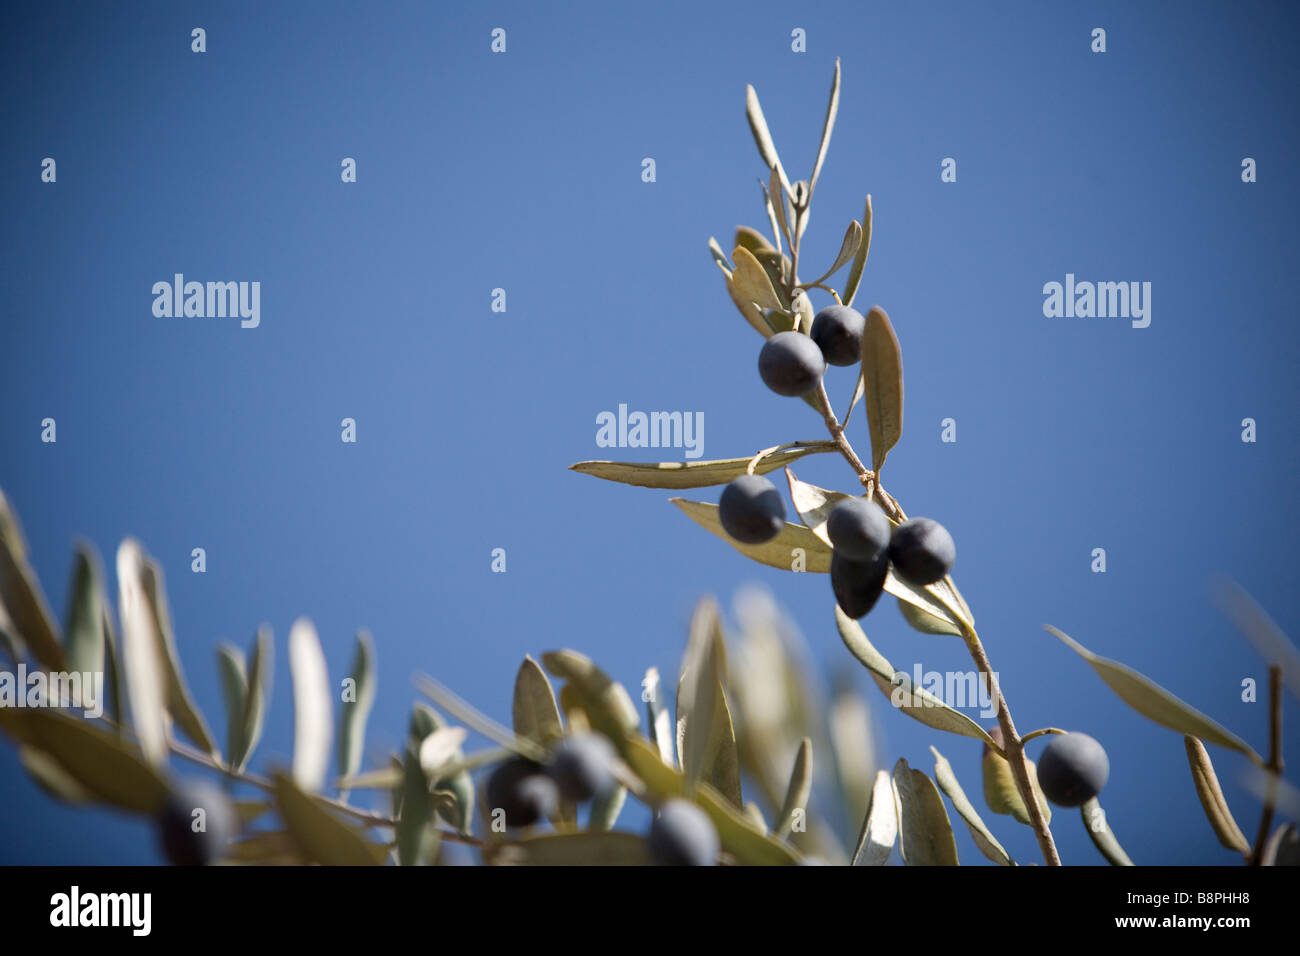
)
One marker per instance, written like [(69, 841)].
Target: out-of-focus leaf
[(591, 848), (234, 689), (796, 794), (52, 778), (116, 684), (1283, 847), (142, 654), (832, 110), (1255, 624), (880, 826), (534, 711), (179, 701), (1211, 796), (801, 307), (322, 837), (706, 736), (250, 810), (1154, 702), (1000, 791), (661, 725), (416, 834), (738, 835), (354, 713), (688, 474), (21, 596), (762, 135), (103, 765), (439, 749), (852, 748), (984, 839), (882, 371), (751, 280), (453, 792), (385, 778), (605, 810), (780, 552), (257, 699), (860, 259), (607, 703), (916, 702), (85, 638), (266, 848), (848, 247), (311, 706), (755, 816), (1094, 821), (924, 832)]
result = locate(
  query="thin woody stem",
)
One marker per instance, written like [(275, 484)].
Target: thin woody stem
[(1275, 763)]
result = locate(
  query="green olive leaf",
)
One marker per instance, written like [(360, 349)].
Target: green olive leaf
[(882, 371), (752, 313), (179, 701), (752, 282), (832, 110), (86, 639), (21, 597), (688, 474), (146, 670), (1212, 799), (848, 247), (100, 763), (311, 706), (355, 709), (1000, 791), (534, 712), (916, 702), (257, 700), (794, 548), (605, 810), (777, 266), (1154, 702), (925, 622), (706, 734), (860, 259), (880, 826), (762, 135), (320, 836), (598, 848), (234, 690), (984, 839), (924, 831), (1094, 821), (798, 790), (774, 197), (50, 776), (753, 240), (415, 833), (605, 702)]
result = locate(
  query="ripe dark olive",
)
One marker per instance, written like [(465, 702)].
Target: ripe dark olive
[(922, 550), (837, 331), (1073, 769), (519, 788), (858, 529), (791, 364), (857, 585), (196, 824), (582, 767), (751, 509), (683, 835)]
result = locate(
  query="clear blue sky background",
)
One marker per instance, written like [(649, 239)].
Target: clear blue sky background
[(523, 171)]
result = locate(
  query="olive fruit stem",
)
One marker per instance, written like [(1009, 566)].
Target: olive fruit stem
[(865, 474)]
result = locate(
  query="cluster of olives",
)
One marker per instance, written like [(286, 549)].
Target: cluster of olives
[(792, 363), (581, 768), (865, 544)]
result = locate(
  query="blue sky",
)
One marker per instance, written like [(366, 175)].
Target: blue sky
[(522, 171)]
